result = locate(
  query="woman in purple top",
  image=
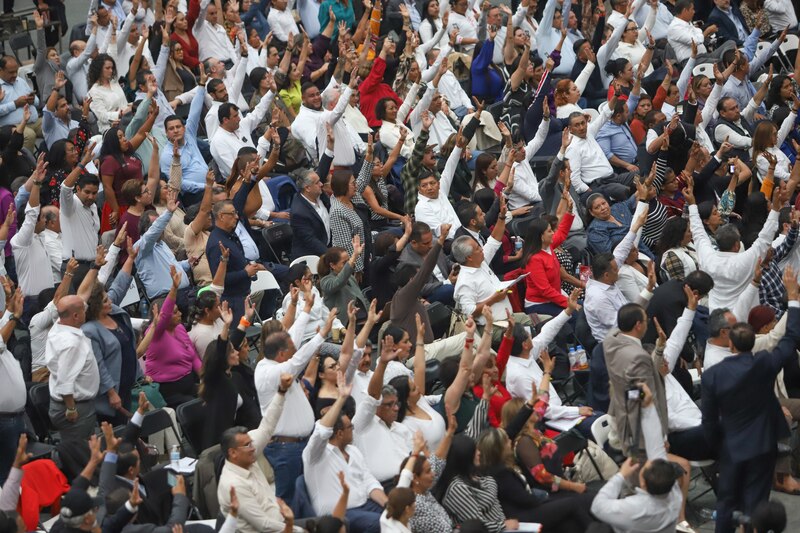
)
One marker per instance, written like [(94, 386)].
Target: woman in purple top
[(171, 359)]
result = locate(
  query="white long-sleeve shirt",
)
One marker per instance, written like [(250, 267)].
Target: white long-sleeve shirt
[(680, 35), (33, 262), (731, 271), (384, 447), (526, 186), (212, 39), (587, 160), (476, 284), (439, 210), (225, 145), (682, 412), (73, 368), (781, 14)]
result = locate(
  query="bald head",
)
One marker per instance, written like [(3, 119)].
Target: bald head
[(71, 311)]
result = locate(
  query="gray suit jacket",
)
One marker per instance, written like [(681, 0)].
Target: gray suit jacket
[(409, 257), (629, 364)]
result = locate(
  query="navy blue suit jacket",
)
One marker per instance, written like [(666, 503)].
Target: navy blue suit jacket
[(726, 28), (309, 236), (741, 414)]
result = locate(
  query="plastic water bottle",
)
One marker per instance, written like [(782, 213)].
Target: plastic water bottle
[(580, 355), (573, 360), (174, 456), (144, 309)]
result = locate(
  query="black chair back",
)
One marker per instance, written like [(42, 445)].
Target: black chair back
[(190, 419)]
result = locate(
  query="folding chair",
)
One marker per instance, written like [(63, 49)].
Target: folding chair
[(573, 441), (706, 69), (311, 261), (37, 408), (264, 281), (190, 419), (22, 41), (601, 428), (158, 420), (701, 466)]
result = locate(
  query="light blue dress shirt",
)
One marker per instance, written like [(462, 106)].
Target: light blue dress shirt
[(10, 114), (155, 258), (193, 165), (617, 139)]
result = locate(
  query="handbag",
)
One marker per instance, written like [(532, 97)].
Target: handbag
[(150, 391)]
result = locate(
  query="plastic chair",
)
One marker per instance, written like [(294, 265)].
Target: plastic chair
[(592, 113), (706, 69), (601, 428), (790, 44), (155, 421), (311, 261), (132, 297), (264, 281), (22, 41), (190, 419)]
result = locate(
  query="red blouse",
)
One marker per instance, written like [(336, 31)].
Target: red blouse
[(544, 279), (502, 396)]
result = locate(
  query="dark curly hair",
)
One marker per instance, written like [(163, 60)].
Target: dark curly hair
[(96, 69)]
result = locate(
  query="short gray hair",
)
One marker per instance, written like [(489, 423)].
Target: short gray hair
[(330, 96), (304, 178), (717, 321), (73, 521), (462, 248), (388, 390), (219, 206)]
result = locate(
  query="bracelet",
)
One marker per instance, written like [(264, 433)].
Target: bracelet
[(244, 322), (72, 409), (282, 391), (70, 274), (223, 259), (38, 183), (546, 372), (420, 344), (81, 166), (469, 341)]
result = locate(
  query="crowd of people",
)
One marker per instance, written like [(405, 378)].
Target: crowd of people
[(378, 245)]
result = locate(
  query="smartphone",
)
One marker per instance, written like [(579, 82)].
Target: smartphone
[(171, 479), (731, 168), (635, 394), (679, 109)]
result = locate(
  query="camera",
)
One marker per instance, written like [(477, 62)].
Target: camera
[(635, 393)]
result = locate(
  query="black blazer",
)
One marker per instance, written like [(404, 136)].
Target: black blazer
[(726, 28), (741, 414), (308, 230)]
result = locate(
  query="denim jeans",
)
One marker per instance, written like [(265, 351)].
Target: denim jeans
[(286, 459), (442, 294), (365, 518), (10, 429)]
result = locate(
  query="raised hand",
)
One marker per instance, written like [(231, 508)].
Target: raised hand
[(691, 298)]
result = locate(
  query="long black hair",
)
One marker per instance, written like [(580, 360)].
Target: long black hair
[(774, 94), (672, 234), (400, 384), (111, 146), (96, 69), (57, 156), (460, 463), (533, 238)]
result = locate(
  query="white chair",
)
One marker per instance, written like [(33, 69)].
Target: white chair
[(790, 44), (601, 428), (592, 113), (132, 296), (311, 261), (706, 69), (602, 107), (264, 281)]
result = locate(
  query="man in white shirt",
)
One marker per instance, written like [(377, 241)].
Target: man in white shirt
[(34, 267), (259, 510), (663, 20), (433, 202), (731, 268), (329, 455), (549, 35), (523, 371), (603, 297), (462, 18), (281, 21), (126, 42), (781, 14), (591, 170), (77, 67), (296, 422), (223, 86), (80, 224), (306, 124), (656, 503), (235, 132), (525, 190), (13, 394), (74, 377), (212, 37), (681, 33), (334, 102), (383, 441)]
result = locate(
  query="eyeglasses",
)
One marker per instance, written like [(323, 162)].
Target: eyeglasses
[(632, 29), (230, 213), (391, 404), (249, 445)]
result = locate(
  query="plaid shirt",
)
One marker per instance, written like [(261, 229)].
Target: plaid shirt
[(411, 172), (771, 292), (345, 222)]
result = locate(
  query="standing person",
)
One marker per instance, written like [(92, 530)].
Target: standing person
[(12, 394), (741, 415), (74, 377), (109, 103), (16, 95)]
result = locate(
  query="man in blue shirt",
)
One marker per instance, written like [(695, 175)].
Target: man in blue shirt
[(616, 140), (14, 94), (193, 166), (738, 85), (155, 258)]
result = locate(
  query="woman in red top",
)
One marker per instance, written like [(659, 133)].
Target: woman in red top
[(492, 371), (182, 34), (543, 294)]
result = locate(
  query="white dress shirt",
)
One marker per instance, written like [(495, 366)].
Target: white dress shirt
[(603, 301), (77, 69), (663, 20), (322, 463), (680, 35), (297, 416), (258, 509), (80, 226), (682, 412), (107, 103), (212, 39), (282, 23), (522, 372), (343, 150), (467, 27), (439, 210), (587, 160), (640, 511), (475, 285), (73, 368), (360, 384), (39, 327), (225, 145), (33, 264), (781, 14), (432, 430), (13, 393), (305, 127), (714, 354), (383, 447), (316, 318), (526, 186), (632, 282), (52, 242), (732, 271)]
